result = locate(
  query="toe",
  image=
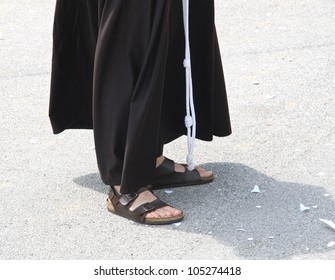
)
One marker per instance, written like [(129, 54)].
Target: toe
[(172, 212), (162, 213), (152, 215), (204, 173), (165, 212)]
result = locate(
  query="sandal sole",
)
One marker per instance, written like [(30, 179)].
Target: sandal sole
[(184, 184)]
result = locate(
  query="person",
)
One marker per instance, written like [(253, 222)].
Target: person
[(117, 68)]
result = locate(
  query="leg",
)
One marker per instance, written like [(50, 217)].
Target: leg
[(128, 86), (128, 83)]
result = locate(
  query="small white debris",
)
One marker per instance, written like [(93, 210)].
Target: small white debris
[(315, 206), (331, 244), (307, 249), (177, 224), (241, 229), (168, 191), (304, 208), (271, 237), (321, 174), (33, 141), (258, 206), (326, 194), (250, 239), (256, 189), (329, 223), (209, 232), (6, 184)]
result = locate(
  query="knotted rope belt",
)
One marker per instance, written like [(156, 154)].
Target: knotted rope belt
[(190, 118)]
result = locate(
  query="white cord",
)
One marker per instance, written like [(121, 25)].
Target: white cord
[(190, 119)]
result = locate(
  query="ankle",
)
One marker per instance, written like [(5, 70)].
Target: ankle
[(159, 160), (117, 189)]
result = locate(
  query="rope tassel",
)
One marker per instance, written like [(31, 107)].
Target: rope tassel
[(190, 119)]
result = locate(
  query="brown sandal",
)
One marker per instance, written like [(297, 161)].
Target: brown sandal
[(120, 204), (166, 176)]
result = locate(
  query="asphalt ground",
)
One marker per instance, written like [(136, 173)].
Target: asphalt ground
[(279, 63)]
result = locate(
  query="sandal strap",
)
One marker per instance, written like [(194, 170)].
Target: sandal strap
[(159, 203), (166, 175), (166, 167), (126, 199), (149, 206)]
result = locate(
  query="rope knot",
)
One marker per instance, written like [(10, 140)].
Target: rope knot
[(188, 121), (187, 63)]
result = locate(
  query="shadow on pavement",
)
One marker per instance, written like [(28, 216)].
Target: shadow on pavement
[(228, 211)]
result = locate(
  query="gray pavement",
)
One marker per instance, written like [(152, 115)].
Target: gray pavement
[(279, 62)]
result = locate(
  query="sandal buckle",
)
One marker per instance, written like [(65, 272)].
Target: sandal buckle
[(148, 207), (127, 198)]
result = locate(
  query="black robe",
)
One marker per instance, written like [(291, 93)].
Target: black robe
[(118, 68)]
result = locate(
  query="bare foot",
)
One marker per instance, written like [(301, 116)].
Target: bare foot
[(180, 168), (147, 196)]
